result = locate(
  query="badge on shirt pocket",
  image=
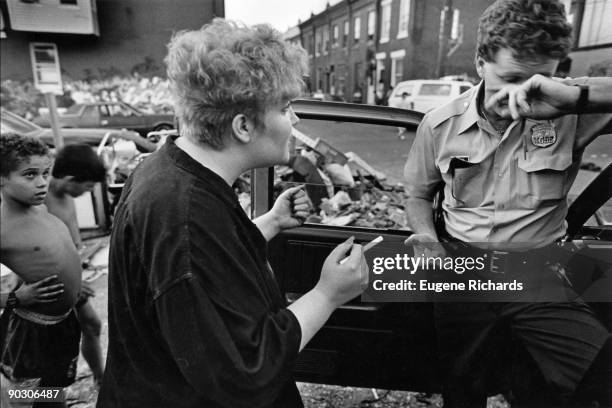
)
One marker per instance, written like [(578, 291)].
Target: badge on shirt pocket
[(543, 135)]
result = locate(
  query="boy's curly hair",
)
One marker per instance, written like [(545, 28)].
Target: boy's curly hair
[(531, 29), (226, 68), (15, 149)]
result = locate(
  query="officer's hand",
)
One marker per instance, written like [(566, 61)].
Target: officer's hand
[(427, 245), (46, 290), (539, 97)]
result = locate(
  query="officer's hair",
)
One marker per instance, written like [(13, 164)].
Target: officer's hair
[(16, 149), (531, 29), (79, 161), (225, 69)]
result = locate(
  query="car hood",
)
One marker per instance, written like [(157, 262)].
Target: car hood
[(91, 136)]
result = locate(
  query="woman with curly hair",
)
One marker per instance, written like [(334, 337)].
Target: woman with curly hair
[(196, 318)]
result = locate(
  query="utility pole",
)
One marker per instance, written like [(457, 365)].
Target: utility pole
[(446, 21)]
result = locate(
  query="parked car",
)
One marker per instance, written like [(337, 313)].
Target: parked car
[(320, 96), (425, 95), (116, 115), (93, 136)]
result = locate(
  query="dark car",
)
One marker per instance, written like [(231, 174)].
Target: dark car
[(116, 115), (92, 136)]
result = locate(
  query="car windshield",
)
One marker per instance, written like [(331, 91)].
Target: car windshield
[(15, 123), (435, 89)]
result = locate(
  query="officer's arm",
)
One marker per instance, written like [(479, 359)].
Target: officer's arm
[(422, 179), (420, 216)]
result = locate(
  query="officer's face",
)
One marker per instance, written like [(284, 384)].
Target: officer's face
[(508, 70)]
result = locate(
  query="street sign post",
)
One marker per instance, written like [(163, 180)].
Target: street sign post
[(48, 80)]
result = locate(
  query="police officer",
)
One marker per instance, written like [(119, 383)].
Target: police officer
[(506, 153)]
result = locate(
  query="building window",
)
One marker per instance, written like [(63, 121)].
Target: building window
[(311, 45), (596, 28), (341, 79), (336, 34), (325, 40), (68, 2), (357, 29), (357, 78), (455, 27), (397, 66), (404, 19), (371, 25), (385, 24), (346, 34), (319, 80), (317, 43)]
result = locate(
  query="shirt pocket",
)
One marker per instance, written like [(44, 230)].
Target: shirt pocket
[(464, 182), (543, 176)]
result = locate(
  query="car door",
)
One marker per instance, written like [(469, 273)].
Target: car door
[(589, 238), (387, 345)]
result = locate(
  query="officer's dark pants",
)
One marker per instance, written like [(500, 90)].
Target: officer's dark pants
[(486, 347)]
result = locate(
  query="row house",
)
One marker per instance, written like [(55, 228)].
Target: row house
[(358, 49), (592, 51), (340, 43)]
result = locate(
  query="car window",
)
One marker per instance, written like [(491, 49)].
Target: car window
[(435, 90), (352, 172), (464, 88), (104, 111)]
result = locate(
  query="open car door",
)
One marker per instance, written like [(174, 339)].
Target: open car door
[(390, 345)]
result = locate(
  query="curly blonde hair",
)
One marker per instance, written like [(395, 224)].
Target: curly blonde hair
[(531, 29), (227, 68)]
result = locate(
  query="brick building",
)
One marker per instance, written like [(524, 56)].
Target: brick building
[(359, 48)]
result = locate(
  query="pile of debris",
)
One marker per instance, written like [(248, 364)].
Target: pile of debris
[(374, 208), (344, 190)]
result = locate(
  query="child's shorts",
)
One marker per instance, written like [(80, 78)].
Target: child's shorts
[(46, 351)]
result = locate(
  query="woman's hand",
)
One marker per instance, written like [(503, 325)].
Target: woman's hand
[(42, 291), (291, 208)]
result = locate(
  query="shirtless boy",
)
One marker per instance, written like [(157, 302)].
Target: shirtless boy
[(76, 170), (43, 338)]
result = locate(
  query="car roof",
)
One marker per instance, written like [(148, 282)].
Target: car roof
[(353, 112), (432, 81)]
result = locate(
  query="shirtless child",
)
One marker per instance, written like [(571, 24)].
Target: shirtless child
[(76, 170), (42, 340)]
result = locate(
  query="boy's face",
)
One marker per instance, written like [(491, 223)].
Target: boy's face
[(506, 70), (29, 182)]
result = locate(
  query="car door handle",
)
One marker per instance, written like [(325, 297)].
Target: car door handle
[(293, 296)]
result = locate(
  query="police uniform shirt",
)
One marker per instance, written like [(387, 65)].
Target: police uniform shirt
[(509, 187)]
